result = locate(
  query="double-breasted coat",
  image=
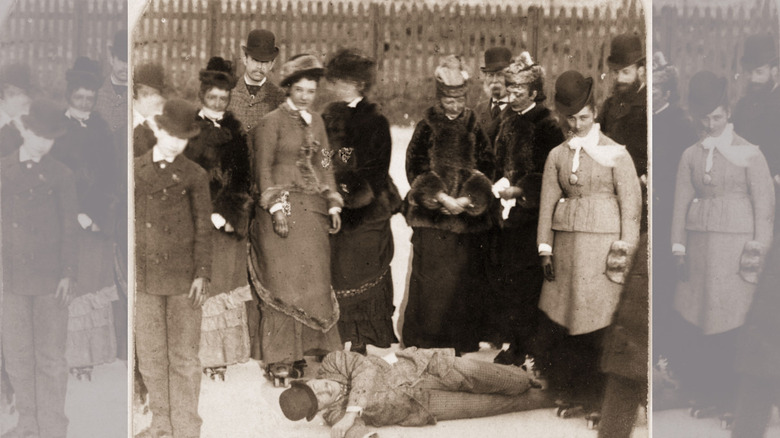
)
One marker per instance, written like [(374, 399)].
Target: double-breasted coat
[(714, 218), (173, 225), (755, 119)]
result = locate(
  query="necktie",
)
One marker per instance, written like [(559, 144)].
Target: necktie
[(253, 89), (495, 111)]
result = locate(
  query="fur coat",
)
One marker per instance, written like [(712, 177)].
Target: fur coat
[(454, 157), (223, 153), (360, 138), (523, 142)]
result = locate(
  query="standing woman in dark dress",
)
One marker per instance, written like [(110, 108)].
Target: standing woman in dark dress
[(299, 206), (361, 253), (221, 149), (88, 150), (449, 165)]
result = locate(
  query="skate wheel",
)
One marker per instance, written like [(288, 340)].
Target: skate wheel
[(693, 412), (89, 377), (592, 424), (222, 376), (277, 382), (559, 412)]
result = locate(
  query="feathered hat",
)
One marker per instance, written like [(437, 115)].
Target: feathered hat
[(219, 73), (451, 77), (524, 71)]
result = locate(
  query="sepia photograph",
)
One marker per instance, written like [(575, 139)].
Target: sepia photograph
[(390, 218), (716, 170), (63, 172)]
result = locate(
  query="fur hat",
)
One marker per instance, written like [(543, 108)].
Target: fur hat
[(46, 119), (451, 77), (300, 65), (351, 65), (150, 74), (524, 71), (751, 261), (179, 119), (617, 261), (218, 73), (84, 74), (706, 92), (18, 75), (298, 401)]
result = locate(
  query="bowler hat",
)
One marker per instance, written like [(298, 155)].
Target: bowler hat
[(298, 401), (261, 45), (84, 74), (351, 65), (496, 59), (119, 45), (46, 119), (759, 50), (300, 65), (150, 74), (572, 92), (625, 50), (18, 75), (706, 92), (218, 73), (179, 119)]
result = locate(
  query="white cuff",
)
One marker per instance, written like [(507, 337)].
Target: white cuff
[(500, 185), (276, 207), (543, 247), (334, 210), (218, 220), (84, 220), (678, 248), (356, 409)]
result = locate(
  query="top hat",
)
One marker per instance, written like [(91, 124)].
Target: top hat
[(119, 45), (706, 92), (572, 92), (46, 119), (17, 75), (759, 50), (298, 66), (84, 74), (261, 45), (451, 77), (150, 74), (298, 401), (496, 59), (625, 50), (351, 65), (179, 119), (219, 73)]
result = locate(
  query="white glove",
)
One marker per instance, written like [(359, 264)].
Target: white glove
[(84, 220), (218, 220)]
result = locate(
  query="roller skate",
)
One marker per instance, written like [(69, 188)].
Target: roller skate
[(215, 373), (726, 420), (567, 409), (82, 373), (593, 420), (282, 373)]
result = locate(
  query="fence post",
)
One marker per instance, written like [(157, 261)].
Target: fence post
[(535, 15), (81, 37), (213, 32)]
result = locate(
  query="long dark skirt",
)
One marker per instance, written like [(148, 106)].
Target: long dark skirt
[(363, 282), (442, 290)]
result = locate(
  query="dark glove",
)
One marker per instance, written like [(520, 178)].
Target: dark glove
[(682, 267), (547, 267)]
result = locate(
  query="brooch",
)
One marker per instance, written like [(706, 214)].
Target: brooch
[(707, 178), (344, 188), (176, 177), (573, 178), (326, 156), (345, 153)]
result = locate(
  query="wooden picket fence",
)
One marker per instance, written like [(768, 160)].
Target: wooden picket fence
[(406, 40), (695, 39), (49, 35)]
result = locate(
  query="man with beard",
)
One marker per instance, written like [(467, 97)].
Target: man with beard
[(527, 133), (488, 112), (755, 116), (15, 89), (672, 133), (623, 117)]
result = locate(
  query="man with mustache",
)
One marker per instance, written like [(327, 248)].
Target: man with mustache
[(623, 117), (755, 115), (489, 111)]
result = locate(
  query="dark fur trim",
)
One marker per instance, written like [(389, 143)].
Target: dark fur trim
[(618, 259), (424, 190), (234, 207), (751, 261), (479, 189), (356, 191)]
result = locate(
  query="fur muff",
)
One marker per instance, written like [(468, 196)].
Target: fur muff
[(751, 261), (356, 191), (452, 170), (617, 261)]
